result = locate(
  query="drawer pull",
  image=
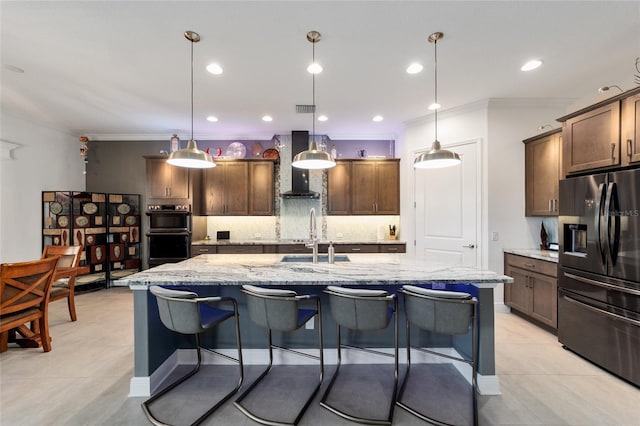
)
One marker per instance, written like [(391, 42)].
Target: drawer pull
[(392, 248), (629, 148), (529, 265), (355, 249)]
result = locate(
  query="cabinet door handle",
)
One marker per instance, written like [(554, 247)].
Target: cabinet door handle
[(613, 151), (469, 246), (550, 205), (629, 148)]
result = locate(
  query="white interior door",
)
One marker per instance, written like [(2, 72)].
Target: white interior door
[(447, 209)]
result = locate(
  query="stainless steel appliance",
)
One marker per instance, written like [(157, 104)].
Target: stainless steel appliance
[(599, 274), (169, 233)]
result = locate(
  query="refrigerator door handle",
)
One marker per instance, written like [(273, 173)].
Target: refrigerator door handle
[(598, 222), (600, 311), (602, 284), (612, 201)]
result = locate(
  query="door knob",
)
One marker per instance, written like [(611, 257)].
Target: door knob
[(469, 246)]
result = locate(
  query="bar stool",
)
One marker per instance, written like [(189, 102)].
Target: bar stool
[(446, 313), (276, 309), (362, 310), (185, 313)]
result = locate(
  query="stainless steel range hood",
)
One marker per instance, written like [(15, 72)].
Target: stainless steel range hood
[(299, 177)]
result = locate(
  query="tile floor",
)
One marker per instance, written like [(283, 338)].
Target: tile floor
[(84, 380)]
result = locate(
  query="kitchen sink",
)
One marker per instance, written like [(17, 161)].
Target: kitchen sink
[(307, 258)]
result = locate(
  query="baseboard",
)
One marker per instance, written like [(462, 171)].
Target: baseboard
[(143, 386), (501, 308)]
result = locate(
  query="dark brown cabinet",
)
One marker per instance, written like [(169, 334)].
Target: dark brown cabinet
[(238, 188), (542, 173), (534, 290), (631, 130), (364, 187), (339, 188), (602, 135), (165, 181), (225, 189)]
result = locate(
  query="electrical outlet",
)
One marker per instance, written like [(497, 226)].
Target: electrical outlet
[(310, 324), (257, 235), (495, 236)]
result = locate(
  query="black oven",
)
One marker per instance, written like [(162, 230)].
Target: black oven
[(168, 234)]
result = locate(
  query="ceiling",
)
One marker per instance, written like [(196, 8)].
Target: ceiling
[(121, 70)]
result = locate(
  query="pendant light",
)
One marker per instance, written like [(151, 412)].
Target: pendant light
[(191, 156), (437, 157), (313, 158)]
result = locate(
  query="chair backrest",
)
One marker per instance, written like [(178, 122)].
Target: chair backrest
[(69, 255), (438, 311), (274, 309), (25, 285), (360, 309), (179, 310)]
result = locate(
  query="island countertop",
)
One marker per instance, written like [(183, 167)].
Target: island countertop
[(268, 269)]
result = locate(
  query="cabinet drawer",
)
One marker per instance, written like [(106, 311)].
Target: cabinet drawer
[(240, 249), (198, 250), (536, 265), (293, 248), (356, 248), (393, 248)]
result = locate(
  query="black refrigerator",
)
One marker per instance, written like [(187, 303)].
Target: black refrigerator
[(599, 273)]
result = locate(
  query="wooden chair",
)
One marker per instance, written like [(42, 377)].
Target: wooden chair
[(64, 281), (24, 297)]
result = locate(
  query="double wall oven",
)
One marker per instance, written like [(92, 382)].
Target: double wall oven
[(169, 233), (599, 275)]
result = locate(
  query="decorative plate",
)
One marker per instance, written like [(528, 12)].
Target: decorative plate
[(236, 150), (124, 208), (90, 240), (271, 154), (124, 237), (63, 221), (55, 207), (131, 220), (90, 208), (81, 221)]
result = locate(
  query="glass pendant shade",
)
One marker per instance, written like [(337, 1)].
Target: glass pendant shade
[(313, 159), (436, 158), (191, 157)]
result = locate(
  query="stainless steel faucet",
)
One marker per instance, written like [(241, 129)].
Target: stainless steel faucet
[(313, 235)]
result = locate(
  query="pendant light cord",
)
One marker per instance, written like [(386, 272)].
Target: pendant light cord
[(192, 89), (435, 48), (313, 91)]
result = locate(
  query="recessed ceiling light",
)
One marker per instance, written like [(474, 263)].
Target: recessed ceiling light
[(323, 118), (315, 68), (378, 118), (267, 118), (212, 118), (531, 65), (214, 69), (414, 68), (434, 106)]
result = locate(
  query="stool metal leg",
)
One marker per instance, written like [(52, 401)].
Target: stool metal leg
[(254, 417), (157, 422)]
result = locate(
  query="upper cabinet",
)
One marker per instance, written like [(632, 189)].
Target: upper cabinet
[(542, 173), (364, 187), (238, 188), (631, 130), (165, 181), (603, 135)]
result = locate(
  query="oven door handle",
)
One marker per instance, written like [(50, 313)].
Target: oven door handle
[(600, 311), (603, 285)]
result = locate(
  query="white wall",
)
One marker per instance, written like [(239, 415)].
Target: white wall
[(46, 159), (500, 125)]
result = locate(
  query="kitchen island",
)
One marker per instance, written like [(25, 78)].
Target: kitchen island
[(222, 275)]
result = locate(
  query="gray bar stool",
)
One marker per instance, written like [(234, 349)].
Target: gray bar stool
[(185, 313), (276, 309), (362, 310), (446, 313)]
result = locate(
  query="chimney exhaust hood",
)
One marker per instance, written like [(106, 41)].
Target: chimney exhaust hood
[(299, 177)]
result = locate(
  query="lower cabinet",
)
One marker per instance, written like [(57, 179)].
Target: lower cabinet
[(534, 291), (198, 249)]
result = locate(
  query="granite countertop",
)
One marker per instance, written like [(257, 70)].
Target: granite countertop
[(213, 242), (267, 269), (548, 255)]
